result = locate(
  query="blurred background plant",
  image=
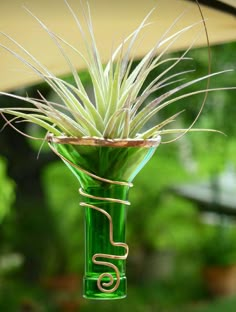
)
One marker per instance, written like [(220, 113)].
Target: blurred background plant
[(6, 190)]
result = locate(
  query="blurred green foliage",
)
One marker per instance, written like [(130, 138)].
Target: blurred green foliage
[(159, 219), (219, 245), (7, 187), (219, 305), (61, 191)]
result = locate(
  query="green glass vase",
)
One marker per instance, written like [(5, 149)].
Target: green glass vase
[(105, 170)]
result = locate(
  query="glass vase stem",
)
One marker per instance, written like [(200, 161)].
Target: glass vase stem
[(106, 250)]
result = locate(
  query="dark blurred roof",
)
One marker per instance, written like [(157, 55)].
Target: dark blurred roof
[(216, 195), (227, 6)]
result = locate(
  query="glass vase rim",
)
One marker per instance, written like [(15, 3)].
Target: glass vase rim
[(98, 141)]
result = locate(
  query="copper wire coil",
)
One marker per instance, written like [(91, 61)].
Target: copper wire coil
[(101, 285)]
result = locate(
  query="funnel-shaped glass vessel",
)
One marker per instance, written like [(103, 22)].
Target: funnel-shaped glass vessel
[(105, 174)]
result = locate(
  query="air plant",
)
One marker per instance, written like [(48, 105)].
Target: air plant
[(101, 139), (120, 109)]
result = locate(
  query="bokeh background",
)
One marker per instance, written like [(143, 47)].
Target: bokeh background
[(180, 228)]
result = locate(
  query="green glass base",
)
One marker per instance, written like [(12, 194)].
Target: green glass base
[(91, 290)]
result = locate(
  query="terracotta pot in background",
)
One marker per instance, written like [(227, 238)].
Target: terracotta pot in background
[(221, 281)]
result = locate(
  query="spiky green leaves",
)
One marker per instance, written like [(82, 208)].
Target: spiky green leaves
[(120, 108)]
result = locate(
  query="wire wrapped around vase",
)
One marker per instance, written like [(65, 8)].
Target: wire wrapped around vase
[(105, 170)]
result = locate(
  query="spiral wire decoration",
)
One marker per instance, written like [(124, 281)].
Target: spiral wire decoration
[(102, 285), (115, 244)]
